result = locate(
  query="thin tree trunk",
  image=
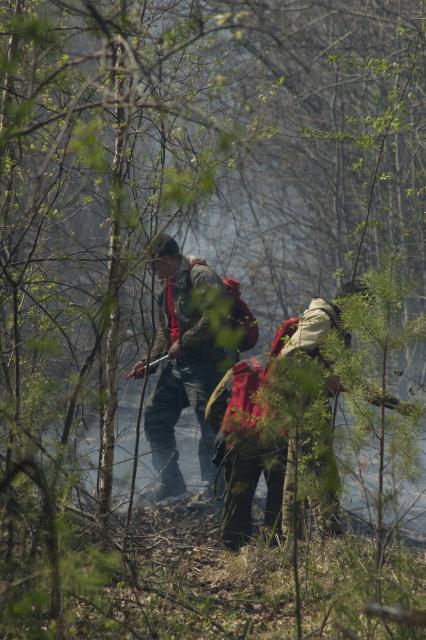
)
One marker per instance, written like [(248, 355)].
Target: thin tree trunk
[(296, 515), (337, 117), (30, 468), (113, 292), (381, 472), (15, 8)]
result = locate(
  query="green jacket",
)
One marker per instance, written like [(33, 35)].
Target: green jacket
[(198, 293)]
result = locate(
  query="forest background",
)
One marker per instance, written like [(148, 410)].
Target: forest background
[(284, 140)]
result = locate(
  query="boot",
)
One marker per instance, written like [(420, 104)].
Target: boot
[(171, 482), (161, 491)]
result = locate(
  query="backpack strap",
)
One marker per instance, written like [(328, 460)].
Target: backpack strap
[(334, 319)]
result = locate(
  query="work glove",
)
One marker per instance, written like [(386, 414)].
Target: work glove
[(138, 371)]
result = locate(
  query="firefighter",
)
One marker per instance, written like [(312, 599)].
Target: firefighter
[(195, 363)]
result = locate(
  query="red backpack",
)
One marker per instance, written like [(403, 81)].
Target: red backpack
[(284, 332), (240, 315), (242, 412)]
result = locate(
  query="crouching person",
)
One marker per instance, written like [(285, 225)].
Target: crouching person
[(302, 377), (303, 391), (245, 452)]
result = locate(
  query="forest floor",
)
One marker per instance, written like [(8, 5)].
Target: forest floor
[(187, 586)]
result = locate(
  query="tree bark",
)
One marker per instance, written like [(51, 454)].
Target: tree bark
[(112, 305)]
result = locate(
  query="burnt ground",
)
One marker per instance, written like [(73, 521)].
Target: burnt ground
[(209, 589), (189, 586)]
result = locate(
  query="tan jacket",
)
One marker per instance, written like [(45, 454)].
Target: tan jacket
[(314, 324)]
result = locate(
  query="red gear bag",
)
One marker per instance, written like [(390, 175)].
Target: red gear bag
[(242, 412), (240, 316)]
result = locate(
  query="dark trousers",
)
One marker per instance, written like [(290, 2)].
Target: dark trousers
[(242, 474), (312, 456), (180, 385)]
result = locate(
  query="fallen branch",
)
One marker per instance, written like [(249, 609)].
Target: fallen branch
[(408, 617)]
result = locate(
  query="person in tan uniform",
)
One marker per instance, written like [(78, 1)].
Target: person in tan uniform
[(316, 449)]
